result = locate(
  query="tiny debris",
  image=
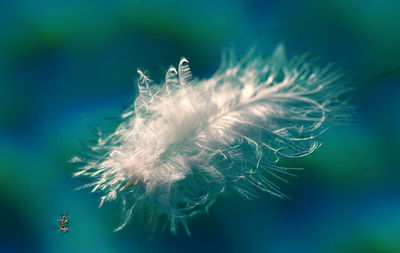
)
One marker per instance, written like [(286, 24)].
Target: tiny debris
[(63, 223)]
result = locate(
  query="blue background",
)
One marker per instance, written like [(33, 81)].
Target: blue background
[(60, 60)]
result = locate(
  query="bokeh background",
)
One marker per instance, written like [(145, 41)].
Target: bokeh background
[(68, 65)]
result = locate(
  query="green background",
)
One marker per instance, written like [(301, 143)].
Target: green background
[(64, 62)]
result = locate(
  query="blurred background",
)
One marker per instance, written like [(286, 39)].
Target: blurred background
[(65, 65)]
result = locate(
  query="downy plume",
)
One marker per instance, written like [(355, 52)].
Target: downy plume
[(186, 141)]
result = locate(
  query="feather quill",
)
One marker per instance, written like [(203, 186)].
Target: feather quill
[(185, 142)]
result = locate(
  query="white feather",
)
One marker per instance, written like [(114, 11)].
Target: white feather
[(185, 142)]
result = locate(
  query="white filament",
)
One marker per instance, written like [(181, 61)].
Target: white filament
[(186, 141)]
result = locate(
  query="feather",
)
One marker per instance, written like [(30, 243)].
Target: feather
[(185, 142)]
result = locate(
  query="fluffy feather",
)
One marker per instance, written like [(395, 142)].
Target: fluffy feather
[(186, 141)]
